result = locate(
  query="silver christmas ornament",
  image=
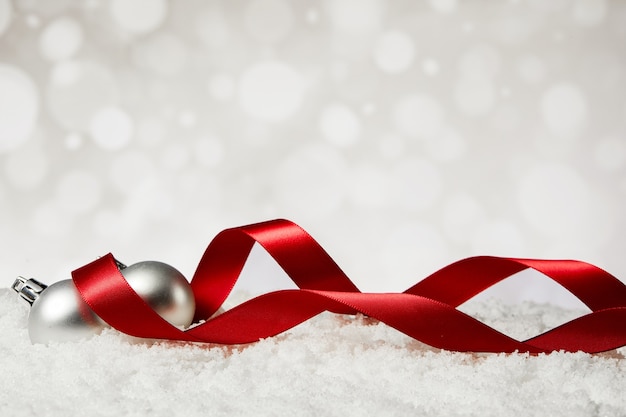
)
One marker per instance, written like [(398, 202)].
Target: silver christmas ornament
[(58, 313), (164, 289)]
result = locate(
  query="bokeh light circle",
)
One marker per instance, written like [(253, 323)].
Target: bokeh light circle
[(340, 125), (19, 107), (356, 17), (271, 91), (73, 141), (430, 66), (394, 52), (61, 39), (77, 90), (111, 128), (138, 16)]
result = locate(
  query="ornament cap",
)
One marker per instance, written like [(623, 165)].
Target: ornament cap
[(28, 289)]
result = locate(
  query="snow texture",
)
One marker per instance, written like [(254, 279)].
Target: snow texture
[(331, 365)]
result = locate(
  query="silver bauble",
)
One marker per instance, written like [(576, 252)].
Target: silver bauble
[(59, 313), (164, 289)]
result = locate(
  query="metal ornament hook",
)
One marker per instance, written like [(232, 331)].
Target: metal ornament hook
[(28, 289)]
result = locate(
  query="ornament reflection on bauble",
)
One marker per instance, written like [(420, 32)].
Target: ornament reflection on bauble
[(58, 312)]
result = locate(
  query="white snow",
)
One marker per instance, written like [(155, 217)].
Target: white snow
[(329, 366)]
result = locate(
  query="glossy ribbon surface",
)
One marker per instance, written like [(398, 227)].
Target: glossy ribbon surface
[(426, 311)]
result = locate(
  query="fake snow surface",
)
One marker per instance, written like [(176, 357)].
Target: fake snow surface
[(330, 366)]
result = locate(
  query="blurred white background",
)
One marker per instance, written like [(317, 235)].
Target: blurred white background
[(403, 135)]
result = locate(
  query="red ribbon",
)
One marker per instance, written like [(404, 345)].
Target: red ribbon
[(426, 311)]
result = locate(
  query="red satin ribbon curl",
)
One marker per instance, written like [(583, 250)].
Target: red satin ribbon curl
[(426, 311)]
